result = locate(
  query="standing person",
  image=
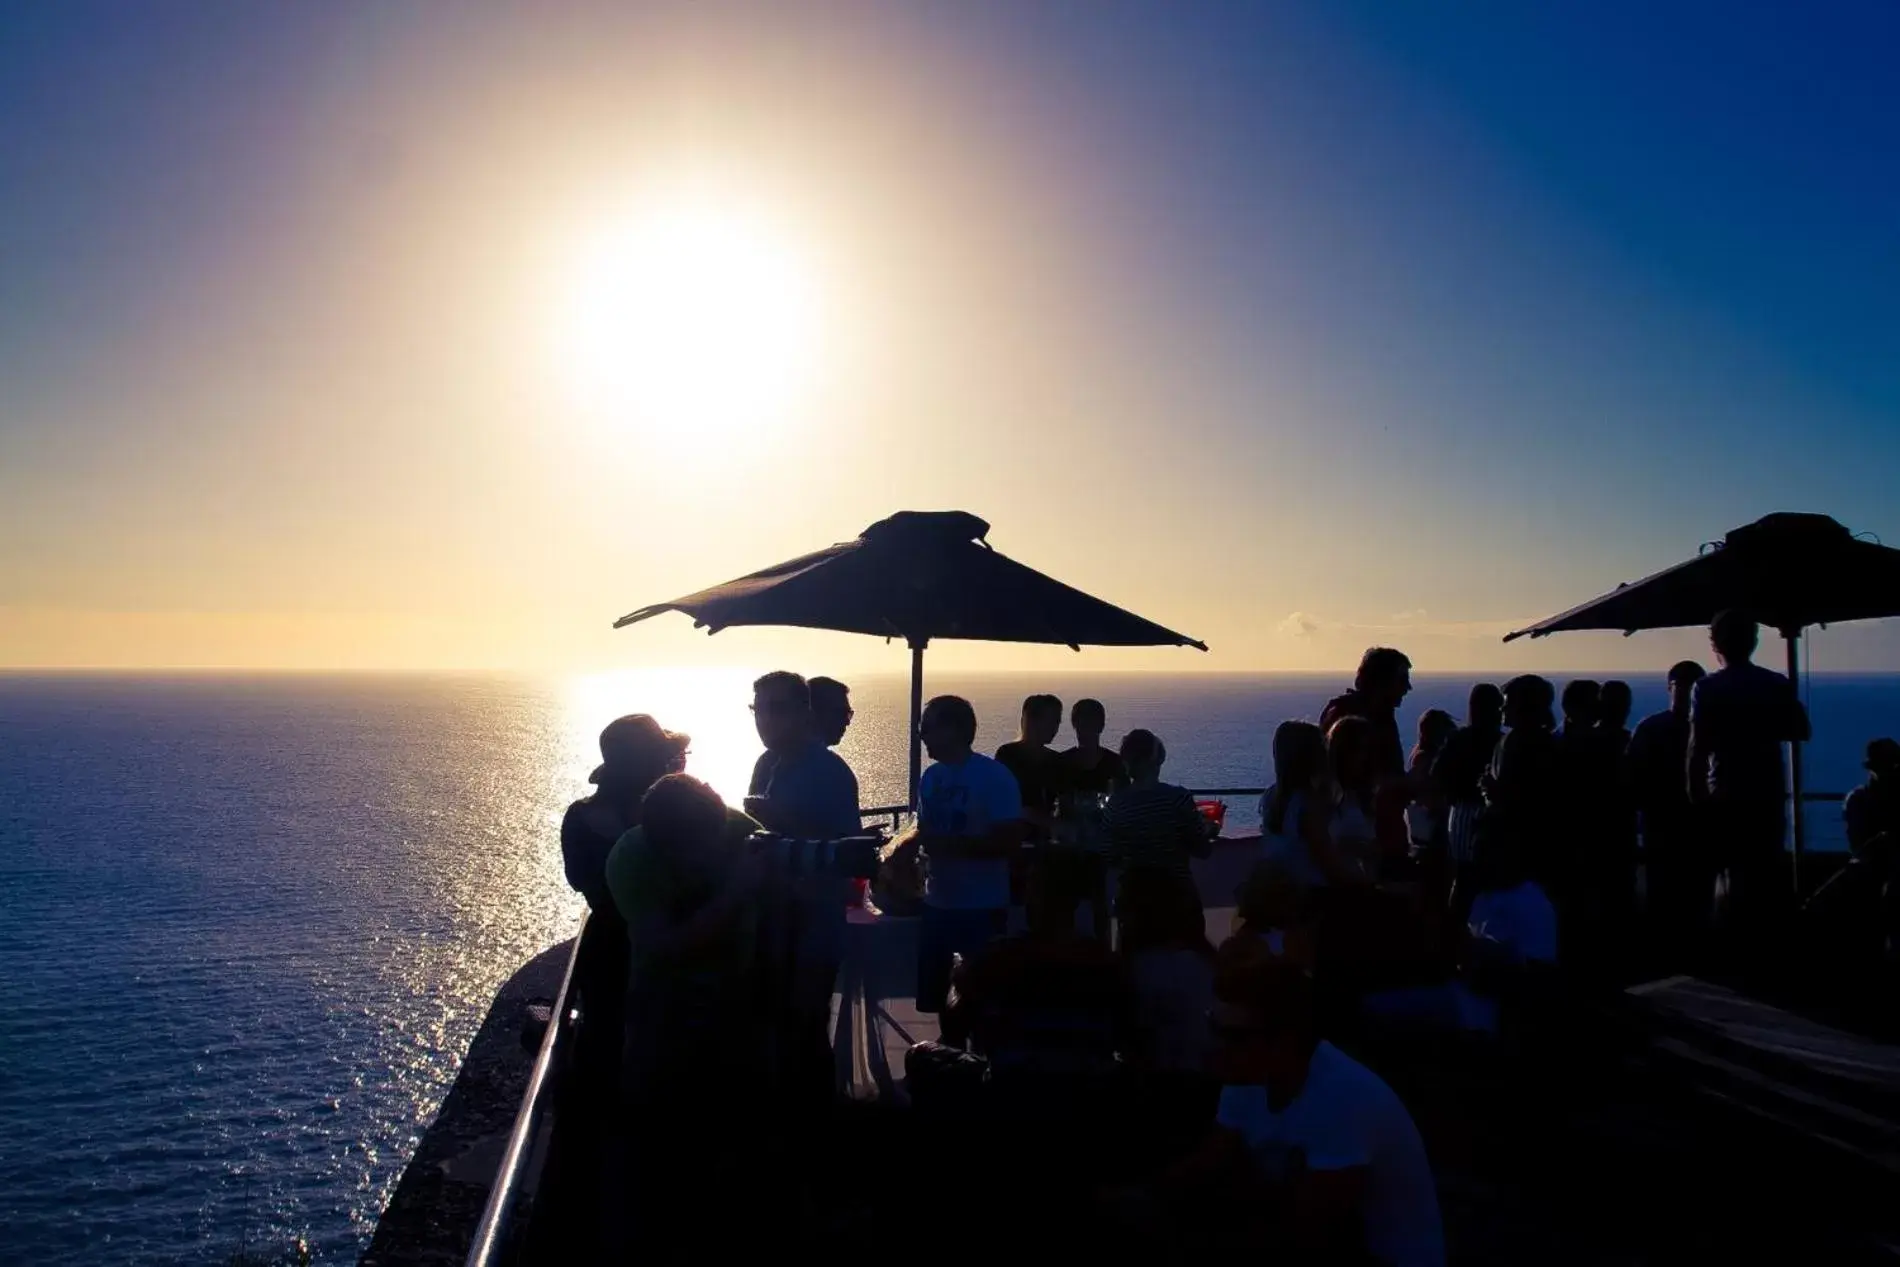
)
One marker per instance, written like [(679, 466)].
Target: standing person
[(969, 826), (1524, 788), (1679, 873), (1296, 812), (1153, 829), (1615, 869), (1381, 685), (809, 793), (800, 787), (1088, 774), (830, 710), (1425, 817), (635, 752), (1035, 764), (1739, 718), (1583, 822), (1460, 766), (1352, 761)]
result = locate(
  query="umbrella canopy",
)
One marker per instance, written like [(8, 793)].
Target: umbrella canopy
[(1789, 571), (919, 575)]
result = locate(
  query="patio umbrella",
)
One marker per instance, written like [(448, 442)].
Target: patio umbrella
[(1789, 571), (919, 575)]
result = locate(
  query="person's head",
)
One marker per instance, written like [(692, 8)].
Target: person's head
[(1683, 675), (1582, 699), (1299, 756), (682, 816), (1434, 727), (1485, 706), (1349, 755), (948, 728), (1042, 718), (1088, 719), (635, 751), (830, 710), (1262, 1018), (1527, 703), (1734, 636), (781, 709), (1385, 676), (1883, 759), (1143, 754), (1613, 704)]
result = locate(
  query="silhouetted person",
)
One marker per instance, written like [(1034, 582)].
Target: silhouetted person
[(1614, 864), (830, 710), (1089, 773), (1153, 829), (1425, 818), (1858, 910), (1296, 813), (1459, 767), (1524, 788), (969, 826), (1035, 764), (800, 787), (1679, 874), (1739, 718), (1589, 777), (1381, 685), (635, 753)]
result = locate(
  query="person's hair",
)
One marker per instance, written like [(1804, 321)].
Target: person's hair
[(1091, 710), (679, 811), (1534, 695), (1686, 673), (1486, 703), (1613, 702), (1380, 664), (1249, 975), (1434, 727), (1350, 737), (1734, 634), (954, 710), (1042, 706), (1299, 759), (784, 680), (827, 692), (1582, 699), (1143, 747)]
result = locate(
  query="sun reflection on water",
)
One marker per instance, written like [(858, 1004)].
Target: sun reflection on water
[(707, 703)]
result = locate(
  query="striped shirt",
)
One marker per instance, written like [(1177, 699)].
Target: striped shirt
[(1154, 829)]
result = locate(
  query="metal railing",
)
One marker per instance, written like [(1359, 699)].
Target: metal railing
[(502, 1218)]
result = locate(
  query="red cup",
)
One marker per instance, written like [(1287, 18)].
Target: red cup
[(860, 894), (1215, 814)]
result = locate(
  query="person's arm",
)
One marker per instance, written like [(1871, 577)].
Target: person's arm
[(1698, 767)]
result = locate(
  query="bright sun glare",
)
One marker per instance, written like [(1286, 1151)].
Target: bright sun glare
[(695, 319)]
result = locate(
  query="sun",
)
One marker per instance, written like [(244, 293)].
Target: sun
[(695, 318)]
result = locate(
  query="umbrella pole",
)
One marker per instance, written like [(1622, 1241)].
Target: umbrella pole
[(916, 717), (1794, 761)]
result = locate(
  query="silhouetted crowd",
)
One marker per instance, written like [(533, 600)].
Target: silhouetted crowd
[(1398, 893)]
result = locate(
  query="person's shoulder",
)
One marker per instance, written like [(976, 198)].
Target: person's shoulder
[(739, 824), (625, 852), (1343, 1077)]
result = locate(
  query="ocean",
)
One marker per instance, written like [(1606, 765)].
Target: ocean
[(251, 922)]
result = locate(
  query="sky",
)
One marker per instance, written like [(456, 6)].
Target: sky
[(406, 335)]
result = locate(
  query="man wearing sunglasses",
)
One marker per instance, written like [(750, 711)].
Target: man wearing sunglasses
[(800, 787)]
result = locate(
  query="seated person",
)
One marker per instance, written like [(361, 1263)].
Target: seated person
[(1327, 1161), (1511, 936)]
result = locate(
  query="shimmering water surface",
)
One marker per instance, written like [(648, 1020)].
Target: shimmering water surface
[(250, 924)]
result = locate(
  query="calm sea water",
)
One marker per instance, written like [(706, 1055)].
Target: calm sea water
[(250, 924)]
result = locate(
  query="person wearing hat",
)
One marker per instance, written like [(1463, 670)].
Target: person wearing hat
[(1872, 810)]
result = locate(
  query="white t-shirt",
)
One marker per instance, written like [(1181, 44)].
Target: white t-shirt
[(1345, 1116), (968, 799), (1523, 921)]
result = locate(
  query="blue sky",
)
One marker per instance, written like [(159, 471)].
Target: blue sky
[(1292, 326)]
